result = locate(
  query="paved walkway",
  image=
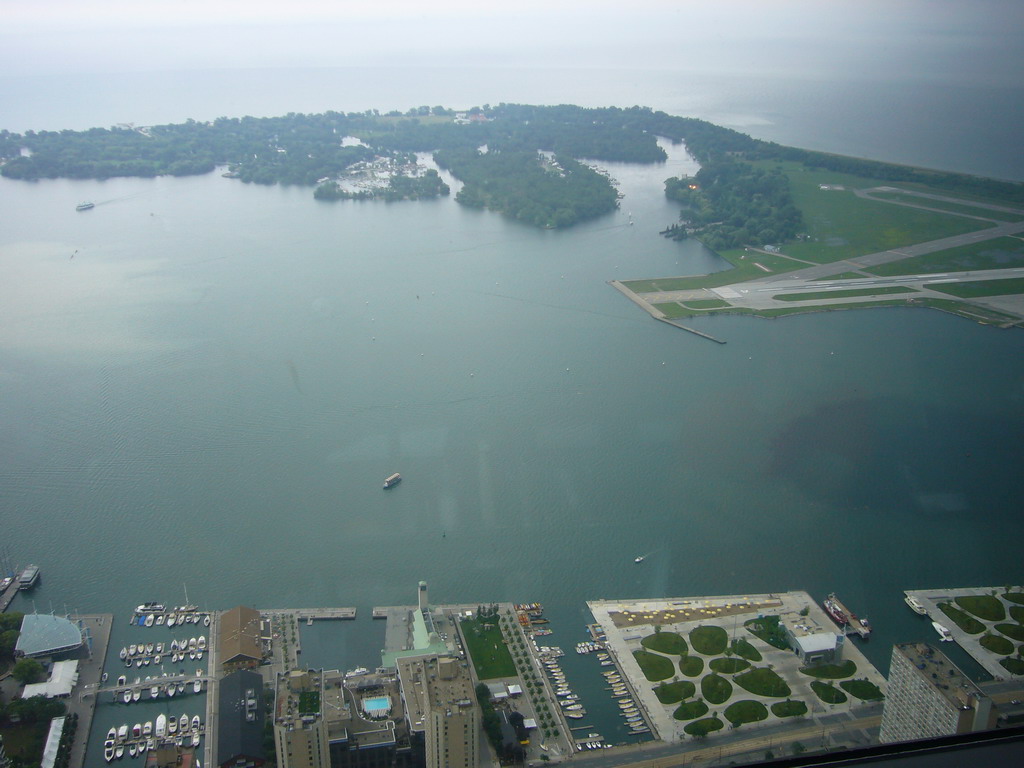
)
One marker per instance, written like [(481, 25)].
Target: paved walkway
[(90, 673)]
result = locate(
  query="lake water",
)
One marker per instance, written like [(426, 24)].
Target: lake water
[(210, 392)]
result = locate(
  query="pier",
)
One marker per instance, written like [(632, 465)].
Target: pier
[(144, 685), (7, 596), (309, 615)]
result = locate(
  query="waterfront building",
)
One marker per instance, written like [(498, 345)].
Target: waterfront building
[(438, 697), (240, 721), (238, 637), (813, 643), (300, 733), (366, 724), (46, 635), (62, 680), (928, 696)]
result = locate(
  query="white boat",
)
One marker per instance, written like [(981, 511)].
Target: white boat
[(171, 689), (137, 730), (149, 648), (174, 645), (159, 647), (136, 694), (944, 633), (112, 734), (915, 605), (122, 732), (147, 729), (183, 723), (201, 644), (127, 696), (119, 752), (195, 722), (181, 687), (639, 559), (206, 620), (199, 655), (108, 750), (192, 655), (157, 659), (121, 680), (172, 620), (150, 618), (150, 608), (195, 738), (172, 726), (193, 643), (160, 619), (132, 649), (197, 686), (154, 691), (123, 654), (132, 750), (138, 663), (143, 746), (161, 726)]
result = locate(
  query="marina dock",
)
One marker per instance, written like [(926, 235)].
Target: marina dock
[(309, 615), (7, 596)]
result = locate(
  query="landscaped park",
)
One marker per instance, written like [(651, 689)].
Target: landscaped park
[(867, 242), (995, 619)]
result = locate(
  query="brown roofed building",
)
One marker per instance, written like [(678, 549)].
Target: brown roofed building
[(238, 638)]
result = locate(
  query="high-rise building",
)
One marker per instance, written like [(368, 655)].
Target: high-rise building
[(300, 733), (439, 703), (929, 696)]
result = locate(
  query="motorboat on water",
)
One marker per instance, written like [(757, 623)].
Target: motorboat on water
[(136, 694), (199, 655), (132, 649), (160, 648), (171, 689), (639, 559), (172, 726), (157, 659), (201, 643), (143, 746), (108, 750), (151, 608), (183, 723), (137, 730), (122, 732), (160, 619), (119, 751), (123, 654), (172, 619), (944, 633), (121, 680), (197, 686), (154, 691), (915, 605), (195, 723), (112, 734), (193, 643), (161, 726), (147, 729), (181, 687), (127, 696), (206, 620), (149, 648), (195, 738), (174, 645), (150, 618)]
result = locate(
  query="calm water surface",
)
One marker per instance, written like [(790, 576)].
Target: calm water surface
[(204, 384)]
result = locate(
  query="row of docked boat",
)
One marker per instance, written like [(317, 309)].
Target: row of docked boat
[(589, 646), (144, 654), (592, 741), (567, 700), (605, 659), (176, 686), (152, 619), (627, 707), (145, 736)]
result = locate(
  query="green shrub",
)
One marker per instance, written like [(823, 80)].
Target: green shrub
[(744, 649), (996, 644), (703, 727), (789, 708), (862, 689), (729, 666), (966, 622), (1016, 631), (768, 629), (831, 671), (670, 693)]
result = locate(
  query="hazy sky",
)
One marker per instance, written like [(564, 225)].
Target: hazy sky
[(804, 35)]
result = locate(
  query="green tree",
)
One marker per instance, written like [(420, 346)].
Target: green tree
[(27, 671)]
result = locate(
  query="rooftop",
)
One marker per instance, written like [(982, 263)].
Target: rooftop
[(43, 634), (943, 675)]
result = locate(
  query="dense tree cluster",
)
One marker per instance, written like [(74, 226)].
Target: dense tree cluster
[(732, 203), (525, 186), (399, 187)]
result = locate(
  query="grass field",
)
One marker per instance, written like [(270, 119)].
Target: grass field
[(862, 689), (832, 671), (670, 693), (998, 253), (744, 649), (763, 682), (818, 295), (967, 623), (789, 708), (828, 692), (653, 666), (715, 689), (997, 645), (1015, 631), (943, 205), (666, 642), (703, 727), (978, 288), (691, 666), (729, 666), (746, 711), (744, 268), (987, 607), (487, 649), (710, 640), (690, 710)]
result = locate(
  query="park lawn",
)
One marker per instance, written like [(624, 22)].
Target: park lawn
[(862, 689), (666, 642), (842, 225), (967, 623), (789, 708), (487, 649), (997, 253), (653, 666), (703, 727), (746, 711), (978, 288), (767, 628), (817, 295), (763, 682), (1014, 597), (715, 689), (997, 645), (691, 666), (729, 666), (1017, 613), (970, 210), (1015, 631), (709, 640), (985, 607), (744, 649), (832, 671), (828, 692), (1013, 666), (670, 693), (690, 710)]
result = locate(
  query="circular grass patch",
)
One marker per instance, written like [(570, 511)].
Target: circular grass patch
[(703, 727), (1016, 631), (789, 708), (744, 649), (832, 671), (715, 689), (670, 693), (690, 710), (1013, 666), (666, 642), (691, 666), (828, 692), (729, 666), (1014, 597), (984, 607), (763, 682), (862, 689), (1017, 613), (746, 711), (996, 644), (653, 666), (966, 622), (710, 641)]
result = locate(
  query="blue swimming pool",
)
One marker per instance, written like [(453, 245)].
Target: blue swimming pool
[(378, 705)]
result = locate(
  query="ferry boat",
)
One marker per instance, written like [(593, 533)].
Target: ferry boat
[(915, 605), (85, 206), (29, 577), (944, 633), (858, 625), (392, 480)]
